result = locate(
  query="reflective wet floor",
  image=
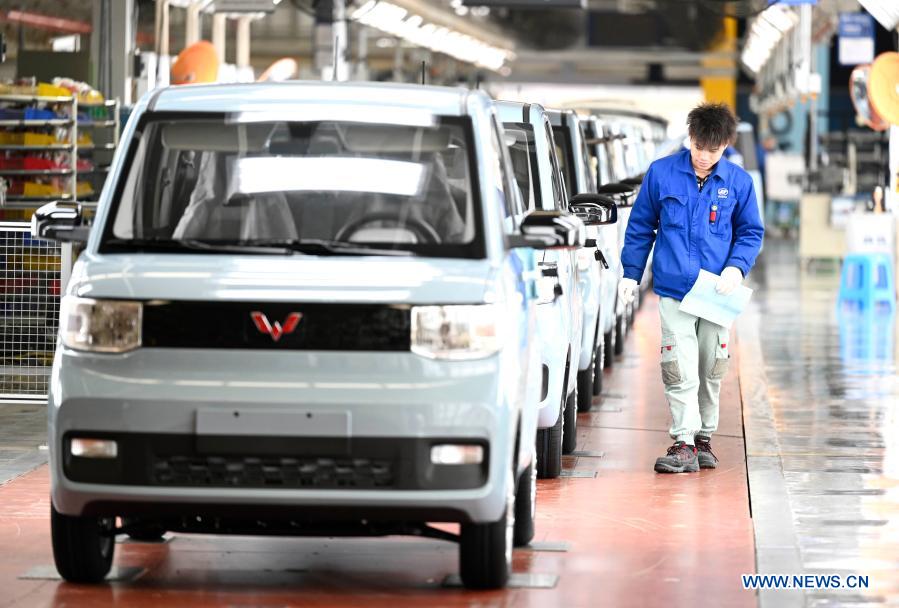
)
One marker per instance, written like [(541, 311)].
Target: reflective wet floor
[(832, 389)]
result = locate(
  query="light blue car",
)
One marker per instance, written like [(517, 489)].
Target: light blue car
[(598, 261), (302, 309), (568, 301)]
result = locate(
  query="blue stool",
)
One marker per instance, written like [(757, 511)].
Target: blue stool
[(867, 280)]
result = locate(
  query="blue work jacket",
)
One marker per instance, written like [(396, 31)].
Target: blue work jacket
[(692, 230)]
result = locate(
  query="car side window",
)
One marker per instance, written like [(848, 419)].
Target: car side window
[(559, 191), (585, 156), (511, 203)]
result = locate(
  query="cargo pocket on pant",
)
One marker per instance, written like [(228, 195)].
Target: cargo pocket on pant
[(670, 367), (722, 358)]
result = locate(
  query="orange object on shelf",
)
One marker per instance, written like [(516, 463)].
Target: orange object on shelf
[(883, 86), (196, 64), (84, 189)]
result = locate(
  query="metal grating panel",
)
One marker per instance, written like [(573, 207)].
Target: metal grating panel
[(29, 310)]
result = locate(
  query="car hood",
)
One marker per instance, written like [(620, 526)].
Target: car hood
[(274, 278)]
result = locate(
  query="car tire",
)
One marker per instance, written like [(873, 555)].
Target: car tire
[(83, 547), (485, 550), (525, 505), (609, 346), (585, 387), (620, 333), (569, 429), (549, 450), (631, 310), (598, 366)]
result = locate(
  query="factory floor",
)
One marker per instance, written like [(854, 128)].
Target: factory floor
[(809, 404)]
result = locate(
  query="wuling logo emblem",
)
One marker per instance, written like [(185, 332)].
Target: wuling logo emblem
[(276, 330)]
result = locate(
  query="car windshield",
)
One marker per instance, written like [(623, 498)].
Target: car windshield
[(216, 183)]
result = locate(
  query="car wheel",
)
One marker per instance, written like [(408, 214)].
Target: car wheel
[(485, 550), (598, 367), (609, 346), (631, 308), (82, 546), (569, 430), (585, 386), (549, 449), (143, 531), (620, 333), (526, 505)]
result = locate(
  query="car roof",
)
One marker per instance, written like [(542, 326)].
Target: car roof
[(443, 101), (511, 111)]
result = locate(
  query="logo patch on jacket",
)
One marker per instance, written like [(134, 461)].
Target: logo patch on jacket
[(723, 192)]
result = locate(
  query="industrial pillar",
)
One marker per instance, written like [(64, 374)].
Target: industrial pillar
[(722, 89), (243, 42), (219, 31), (330, 40), (162, 27), (192, 24), (111, 47)]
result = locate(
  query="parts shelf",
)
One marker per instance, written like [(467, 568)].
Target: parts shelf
[(54, 138)]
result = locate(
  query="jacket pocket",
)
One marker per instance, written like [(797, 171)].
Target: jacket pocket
[(723, 224), (674, 210)]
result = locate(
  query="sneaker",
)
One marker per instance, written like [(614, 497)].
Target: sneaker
[(707, 459), (681, 458)]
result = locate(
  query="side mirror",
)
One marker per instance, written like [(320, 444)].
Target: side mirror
[(594, 209), (59, 221), (622, 190), (550, 230)]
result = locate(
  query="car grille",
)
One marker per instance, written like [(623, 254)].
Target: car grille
[(269, 472), (231, 325)]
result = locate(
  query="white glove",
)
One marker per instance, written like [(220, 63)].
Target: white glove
[(731, 278), (626, 290)]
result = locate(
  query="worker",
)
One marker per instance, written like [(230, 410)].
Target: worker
[(700, 210)]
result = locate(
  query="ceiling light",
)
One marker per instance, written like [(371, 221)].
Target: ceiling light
[(398, 21)]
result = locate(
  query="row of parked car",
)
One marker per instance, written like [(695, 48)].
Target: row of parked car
[(335, 309)]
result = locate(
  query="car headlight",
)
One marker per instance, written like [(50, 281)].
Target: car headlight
[(458, 332), (102, 326)]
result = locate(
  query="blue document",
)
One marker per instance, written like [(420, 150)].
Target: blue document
[(704, 302)]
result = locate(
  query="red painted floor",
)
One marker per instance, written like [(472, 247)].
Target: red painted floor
[(635, 538)]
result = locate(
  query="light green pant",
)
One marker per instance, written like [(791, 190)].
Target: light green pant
[(694, 361)]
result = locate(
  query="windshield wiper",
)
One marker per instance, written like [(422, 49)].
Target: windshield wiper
[(327, 247), (261, 248)]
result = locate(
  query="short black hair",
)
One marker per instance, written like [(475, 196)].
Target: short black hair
[(712, 125)]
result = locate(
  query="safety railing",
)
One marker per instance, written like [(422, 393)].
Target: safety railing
[(30, 279)]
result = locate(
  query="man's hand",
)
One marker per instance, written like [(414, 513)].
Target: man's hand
[(731, 278), (626, 290)]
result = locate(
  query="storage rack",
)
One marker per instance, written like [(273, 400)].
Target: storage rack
[(39, 137), (32, 271), (103, 125)]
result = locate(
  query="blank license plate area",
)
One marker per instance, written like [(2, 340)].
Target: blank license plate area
[(272, 423)]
